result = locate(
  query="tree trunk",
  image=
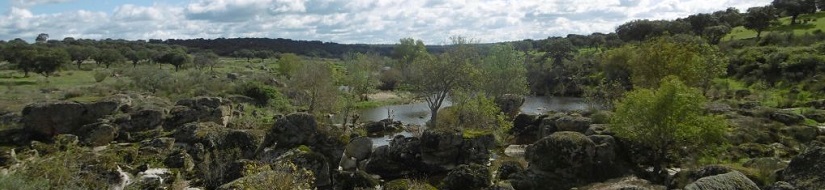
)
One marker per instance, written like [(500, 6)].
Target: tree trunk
[(433, 117), (758, 34), (78, 63), (793, 19)]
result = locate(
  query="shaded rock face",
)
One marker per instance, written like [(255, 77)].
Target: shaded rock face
[(142, 120), (807, 170), (787, 117), (559, 161), (569, 154), (730, 180), (355, 180), (291, 131), (98, 134), (573, 123), (509, 103), (50, 119), (442, 151), (471, 176), (201, 109), (402, 157), (509, 168)]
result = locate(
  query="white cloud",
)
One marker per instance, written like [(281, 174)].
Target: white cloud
[(28, 3), (352, 21)]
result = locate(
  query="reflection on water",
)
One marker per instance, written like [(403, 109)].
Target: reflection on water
[(418, 113)]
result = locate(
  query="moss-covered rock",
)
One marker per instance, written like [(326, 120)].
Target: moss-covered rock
[(807, 170), (787, 117), (730, 180), (471, 176), (355, 180)]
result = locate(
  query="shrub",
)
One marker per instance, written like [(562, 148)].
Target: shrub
[(100, 74), (265, 96)]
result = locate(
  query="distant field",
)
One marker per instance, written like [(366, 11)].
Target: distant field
[(817, 23)]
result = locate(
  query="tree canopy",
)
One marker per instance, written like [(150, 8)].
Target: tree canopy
[(666, 119), (759, 19)]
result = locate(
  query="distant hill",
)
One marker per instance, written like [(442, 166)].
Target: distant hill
[(226, 46), (815, 22)]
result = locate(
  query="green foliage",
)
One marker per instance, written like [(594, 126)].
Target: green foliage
[(475, 115), (794, 8), (689, 58), (21, 182), (503, 72), (265, 96), (759, 19), (108, 57), (666, 119), (433, 78), (49, 60), (205, 59), (313, 87), (101, 74), (288, 63)]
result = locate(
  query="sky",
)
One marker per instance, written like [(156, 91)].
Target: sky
[(341, 21)]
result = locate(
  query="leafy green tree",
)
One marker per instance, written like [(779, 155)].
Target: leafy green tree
[(666, 120), (288, 63), (108, 56), (699, 22), (245, 53), (558, 49), (820, 4), (687, 57), (205, 59), (176, 57), (48, 60), (408, 49), (731, 17), (714, 34), (137, 55), (759, 19), (433, 78), (503, 72), (794, 8), (263, 54), (41, 38), (315, 85), (361, 78), (78, 53)]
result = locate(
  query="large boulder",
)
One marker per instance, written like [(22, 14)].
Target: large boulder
[(509, 103), (98, 134), (357, 150), (569, 154), (624, 183), (807, 170), (312, 161), (379, 128), (509, 168), (209, 134), (200, 109), (730, 180), (471, 176), (816, 115), (573, 123), (291, 131), (355, 180), (142, 120), (787, 117), (55, 118), (560, 161), (442, 151), (400, 158)]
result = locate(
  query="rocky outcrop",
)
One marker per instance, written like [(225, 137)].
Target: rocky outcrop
[(509, 168), (142, 120), (787, 117), (559, 161), (201, 109), (443, 151), (624, 183), (355, 180), (291, 131), (380, 128), (573, 123), (357, 150), (807, 170), (98, 134), (730, 180), (400, 158), (54, 118), (312, 161), (471, 176)]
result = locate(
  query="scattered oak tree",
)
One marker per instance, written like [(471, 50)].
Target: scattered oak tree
[(759, 19), (794, 8), (78, 54), (205, 59), (108, 56), (433, 78)]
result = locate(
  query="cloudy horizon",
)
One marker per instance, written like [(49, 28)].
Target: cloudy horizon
[(340, 21)]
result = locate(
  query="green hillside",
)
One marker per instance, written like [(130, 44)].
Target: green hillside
[(817, 23)]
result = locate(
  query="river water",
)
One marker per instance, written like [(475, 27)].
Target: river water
[(418, 113)]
